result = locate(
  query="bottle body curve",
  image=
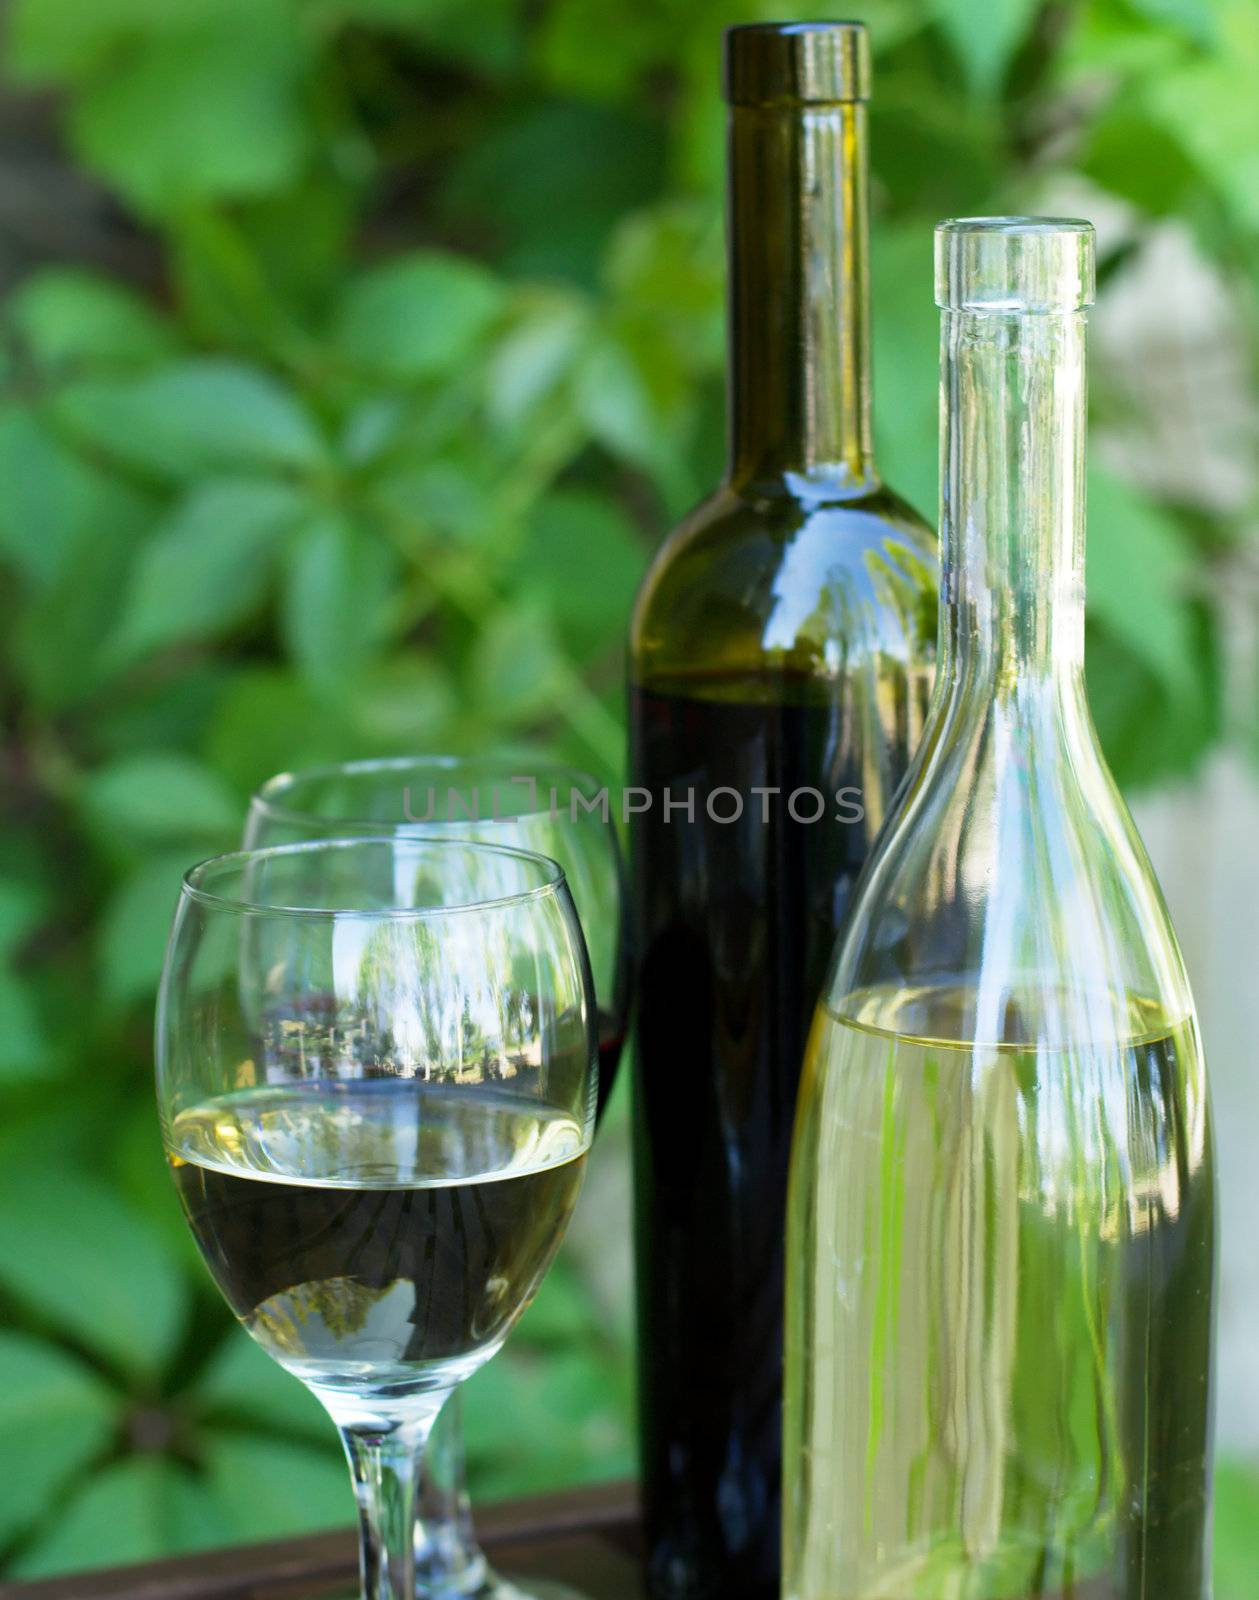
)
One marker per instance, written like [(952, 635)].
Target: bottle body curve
[(999, 1315), (798, 584), (1010, 864), (1001, 1248)]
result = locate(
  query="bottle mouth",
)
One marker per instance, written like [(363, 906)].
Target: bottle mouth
[(1014, 264), (796, 64)]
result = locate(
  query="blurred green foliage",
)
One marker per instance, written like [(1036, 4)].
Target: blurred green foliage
[(431, 356)]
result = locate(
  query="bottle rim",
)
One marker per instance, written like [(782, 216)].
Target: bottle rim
[(1014, 264), (795, 64)]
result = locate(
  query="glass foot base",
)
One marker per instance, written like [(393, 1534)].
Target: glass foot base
[(475, 1579), (494, 1586), (499, 1588)]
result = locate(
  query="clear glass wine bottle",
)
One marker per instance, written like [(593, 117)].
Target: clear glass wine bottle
[(1001, 1222)]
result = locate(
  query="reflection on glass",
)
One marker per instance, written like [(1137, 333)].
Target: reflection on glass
[(1001, 1234), (376, 1074), (509, 799), (513, 800)]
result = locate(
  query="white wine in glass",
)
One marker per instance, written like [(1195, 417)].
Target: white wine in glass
[(377, 1082)]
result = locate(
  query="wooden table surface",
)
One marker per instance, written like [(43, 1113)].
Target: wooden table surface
[(586, 1538)]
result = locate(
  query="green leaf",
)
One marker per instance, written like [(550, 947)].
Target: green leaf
[(244, 1386), (160, 710), (269, 721), (132, 931), (1159, 182), (531, 360), (65, 38), (268, 1487), (374, 427), (136, 1510), (196, 417), (518, 667), (1209, 105), (613, 160), (208, 114), (405, 705), (55, 1416), (985, 37), (563, 1314), (615, 403), (139, 1170), (1197, 18), (155, 797), (1138, 573), (447, 497), (635, 392), (23, 1049), (207, 566), (237, 279), (1236, 1522), (494, 48), (115, 1286), (337, 582), (1147, 733), (582, 552), (586, 1388), (65, 1132), (68, 315), (564, 50), (421, 316), (51, 500), (22, 906), (669, 261), (387, 13), (60, 631), (906, 363)]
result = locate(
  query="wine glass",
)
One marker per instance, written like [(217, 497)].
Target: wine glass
[(515, 799), (376, 1077), (511, 799)]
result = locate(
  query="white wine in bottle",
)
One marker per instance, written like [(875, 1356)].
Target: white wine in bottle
[(1001, 1245)]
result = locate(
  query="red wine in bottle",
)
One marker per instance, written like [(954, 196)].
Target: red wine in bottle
[(781, 658)]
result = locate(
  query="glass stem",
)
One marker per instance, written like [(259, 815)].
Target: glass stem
[(386, 1455), (446, 1552)]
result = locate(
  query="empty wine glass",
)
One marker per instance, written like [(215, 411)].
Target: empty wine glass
[(376, 1077), (508, 799)]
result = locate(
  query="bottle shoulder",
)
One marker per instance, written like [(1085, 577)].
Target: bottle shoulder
[(1010, 871), (806, 582)]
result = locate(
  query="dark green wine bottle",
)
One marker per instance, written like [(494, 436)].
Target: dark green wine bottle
[(781, 661)]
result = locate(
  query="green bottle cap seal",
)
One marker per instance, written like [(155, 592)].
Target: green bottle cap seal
[(796, 63)]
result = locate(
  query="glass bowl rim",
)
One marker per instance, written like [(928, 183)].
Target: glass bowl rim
[(534, 765), (193, 886)]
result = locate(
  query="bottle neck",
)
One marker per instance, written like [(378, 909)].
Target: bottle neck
[(1012, 505), (799, 398)]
